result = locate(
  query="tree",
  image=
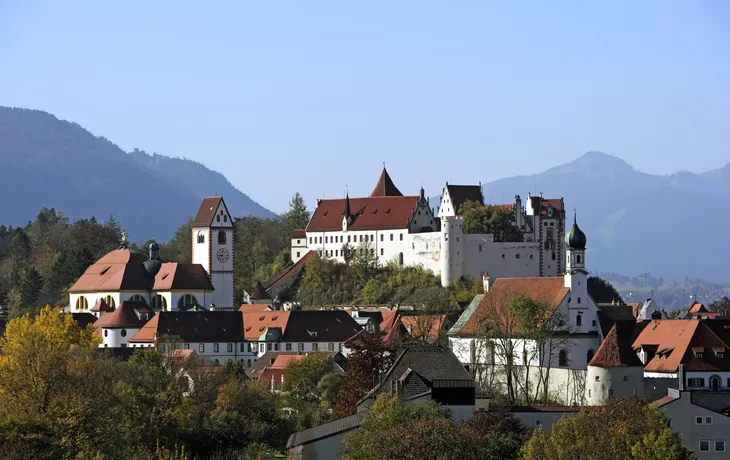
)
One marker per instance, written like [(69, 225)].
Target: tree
[(602, 291), (490, 219), (30, 291), (297, 217), (370, 358), (306, 388), (626, 430), (180, 247), (721, 306)]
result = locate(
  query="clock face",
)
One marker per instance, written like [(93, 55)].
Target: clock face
[(223, 255)]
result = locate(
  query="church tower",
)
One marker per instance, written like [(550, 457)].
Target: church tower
[(575, 249), (213, 248)]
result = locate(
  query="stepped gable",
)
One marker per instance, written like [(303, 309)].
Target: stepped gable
[(460, 194), (547, 289), (616, 349), (132, 315), (385, 186)]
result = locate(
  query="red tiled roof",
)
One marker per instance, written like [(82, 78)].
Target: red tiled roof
[(385, 186), (101, 306), (173, 275), (555, 203), (131, 315), (663, 401), (616, 350), (671, 337), (414, 324), (299, 233), (697, 307), (548, 289), (373, 213), (283, 360), (256, 323), (253, 307), (207, 210)]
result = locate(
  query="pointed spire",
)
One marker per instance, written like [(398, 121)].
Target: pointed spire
[(385, 186), (347, 214)]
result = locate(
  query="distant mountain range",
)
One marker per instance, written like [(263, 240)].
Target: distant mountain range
[(672, 226), (47, 162)]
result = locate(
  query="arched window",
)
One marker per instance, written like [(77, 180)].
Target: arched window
[(577, 258), (188, 300), (106, 332), (221, 237), (201, 237), (579, 320), (715, 383), (138, 298), (562, 358), (82, 303), (110, 301), (589, 356), (124, 333), (400, 259), (159, 302), (248, 363)]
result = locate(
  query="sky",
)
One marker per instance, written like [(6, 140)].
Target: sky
[(314, 96)]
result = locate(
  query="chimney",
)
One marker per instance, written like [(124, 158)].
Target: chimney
[(680, 377), (486, 281)]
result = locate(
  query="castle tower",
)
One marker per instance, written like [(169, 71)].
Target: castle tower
[(575, 249), (452, 249), (213, 248)]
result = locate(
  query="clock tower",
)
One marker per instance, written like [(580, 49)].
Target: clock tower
[(213, 248)]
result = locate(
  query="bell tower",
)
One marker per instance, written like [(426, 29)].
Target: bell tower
[(213, 248)]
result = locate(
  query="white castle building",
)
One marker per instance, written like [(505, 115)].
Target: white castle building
[(405, 229)]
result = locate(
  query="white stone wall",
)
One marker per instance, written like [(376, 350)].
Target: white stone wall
[(201, 251), (298, 248), (259, 348), (116, 337), (93, 297), (501, 260), (724, 376), (386, 244), (607, 384), (238, 352)]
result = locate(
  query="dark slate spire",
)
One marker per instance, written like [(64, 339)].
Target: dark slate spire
[(347, 214), (154, 263), (385, 186), (575, 238)]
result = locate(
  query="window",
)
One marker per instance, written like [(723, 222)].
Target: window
[(186, 346), (310, 240), (578, 299), (696, 382), (553, 255), (391, 237), (610, 393), (719, 446), (82, 303), (626, 378), (297, 253), (361, 238), (589, 356), (348, 238), (538, 423), (123, 333), (138, 298), (503, 256), (315, 346), (229, 348), (401, 237), (159, 302), (593, 322), (106, 332), (288, 347), (262, 347), (320, 240), (268, 347), (517, 256), (698, 355), (530, 254), (241, 347), (201, 348), (381, 237), (110, 301), (300, 347), (704, 446), (708, 420), (337, 252), (562, 358), (217, 218), (331, 346), (215, 348), (579, 320), (188, 300)]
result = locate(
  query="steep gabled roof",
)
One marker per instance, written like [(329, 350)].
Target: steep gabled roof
[(120, 269), (466, 314), (616, 349), (257, 323), (206, 212), (460, 194), (288, 272), (697, 307), (547, 289), (326, 430), (432, 323), (259, 292), (385, 186), (670, 338), (373, 213)]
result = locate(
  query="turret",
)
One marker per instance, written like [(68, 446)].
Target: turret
[(154, 263)]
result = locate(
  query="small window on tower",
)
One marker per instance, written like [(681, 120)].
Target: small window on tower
[(222, 237), (201, 237), (225, 217)]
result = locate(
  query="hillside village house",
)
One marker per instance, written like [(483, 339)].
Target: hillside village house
[(577, 337), (405, 230)]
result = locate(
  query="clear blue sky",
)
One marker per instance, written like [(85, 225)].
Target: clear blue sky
[(312, 96)]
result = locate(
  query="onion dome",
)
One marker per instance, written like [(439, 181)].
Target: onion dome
[(575, 238), (154, 263)]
